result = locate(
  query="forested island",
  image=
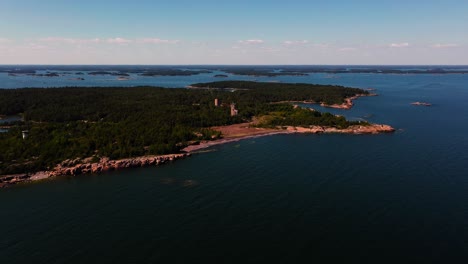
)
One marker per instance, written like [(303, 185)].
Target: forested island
[(173, 72), (245, 70), (259, 72), (115, 123), (303, 70)]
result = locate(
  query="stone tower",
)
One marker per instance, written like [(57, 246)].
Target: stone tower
[(234, 111)]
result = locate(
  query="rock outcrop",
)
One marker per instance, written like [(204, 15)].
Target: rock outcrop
[(348, 104), (357, 129), (421, 103), (78, 166)]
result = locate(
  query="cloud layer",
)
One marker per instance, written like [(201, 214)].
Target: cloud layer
[(252, 41), (116, 40), (399, 45), (443, 46), (154, 50)]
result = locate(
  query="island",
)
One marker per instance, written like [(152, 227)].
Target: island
[(421, 103), (259, 72), (71, 131), (332, 96), (328, 71), (173, 72), (109, 73)]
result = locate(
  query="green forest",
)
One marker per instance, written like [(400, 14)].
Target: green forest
[(276, 92), (75, 122)]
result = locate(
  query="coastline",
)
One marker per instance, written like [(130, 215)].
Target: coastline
[(237, 132), (232, 133), (86, 166), (348, 103)]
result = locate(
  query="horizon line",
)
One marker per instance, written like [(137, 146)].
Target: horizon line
[(35, 64)]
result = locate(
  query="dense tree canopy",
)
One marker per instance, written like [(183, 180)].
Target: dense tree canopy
[(71, 122)]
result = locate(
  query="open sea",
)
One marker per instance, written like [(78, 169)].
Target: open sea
[(392, 198)]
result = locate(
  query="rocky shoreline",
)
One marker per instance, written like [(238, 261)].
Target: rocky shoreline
[(348, 103), (86, 166), (357, 129), (372, 129)]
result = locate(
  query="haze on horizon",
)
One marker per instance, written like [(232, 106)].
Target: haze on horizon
[(234, 32)]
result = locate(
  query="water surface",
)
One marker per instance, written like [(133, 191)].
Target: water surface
[(283, 198)]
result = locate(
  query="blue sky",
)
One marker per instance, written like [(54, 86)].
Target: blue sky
[(233, 32)]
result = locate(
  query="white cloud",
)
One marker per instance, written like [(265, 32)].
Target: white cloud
[(251, 41), (347, 49), (270, 49), (399, 45), (157, 41), (116, 40), (35, 46), (69, 40), (321, 45), (442, 46), (119, 41), (295, 42), (5, 40)]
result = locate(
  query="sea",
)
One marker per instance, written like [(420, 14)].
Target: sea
[(390, 198)]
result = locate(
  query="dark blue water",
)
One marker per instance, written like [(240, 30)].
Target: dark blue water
[(286, 198)]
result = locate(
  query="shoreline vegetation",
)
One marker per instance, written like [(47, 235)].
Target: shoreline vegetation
[(232, 133), (115, 128)]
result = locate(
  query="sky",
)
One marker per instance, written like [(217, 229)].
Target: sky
[(308, 32)]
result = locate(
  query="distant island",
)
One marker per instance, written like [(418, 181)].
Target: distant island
[(259, 72), (330, 71), (107, 127), (109, 73), (421, 103), (173, 72)]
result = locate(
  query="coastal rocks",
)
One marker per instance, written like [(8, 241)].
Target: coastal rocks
[(348, 104), (369, 129), (76, 167), (313, 130), (105, 164), (12, 179), (357, 129), (421, 103)]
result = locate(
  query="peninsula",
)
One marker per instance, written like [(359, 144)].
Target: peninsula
[(98, 127)]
